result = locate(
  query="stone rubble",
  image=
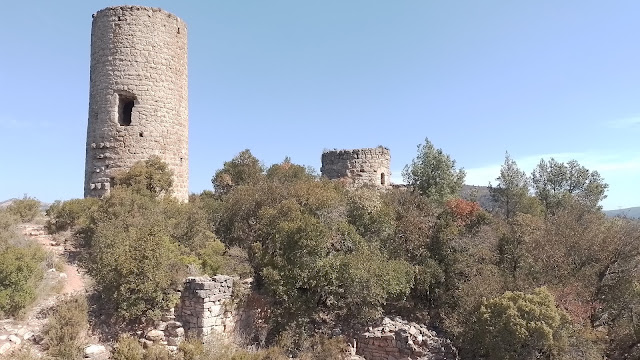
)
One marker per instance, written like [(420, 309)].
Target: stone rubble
[(401, 340)]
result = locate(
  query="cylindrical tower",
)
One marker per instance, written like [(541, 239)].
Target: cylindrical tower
[(138, 95), (370, 166)]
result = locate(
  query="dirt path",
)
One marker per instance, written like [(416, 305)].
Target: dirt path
[(74, 279), (15, 332)]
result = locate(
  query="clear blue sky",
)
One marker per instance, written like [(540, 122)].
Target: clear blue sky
[(291, 78)]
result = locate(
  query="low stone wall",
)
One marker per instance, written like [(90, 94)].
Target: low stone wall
[(205, 306), (400, 340)]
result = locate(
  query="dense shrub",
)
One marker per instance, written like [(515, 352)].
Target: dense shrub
[(151, 177), (131, 255), (20, 275), (7, 228), (25, 209), (70, 214), (127, 348), (66, 328), (520, 326), (157, 352)]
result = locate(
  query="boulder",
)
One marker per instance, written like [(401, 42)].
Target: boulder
[(155, 335), (94, 350)]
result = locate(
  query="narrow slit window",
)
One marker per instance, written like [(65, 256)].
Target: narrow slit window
[(125, 110), (383, 181)]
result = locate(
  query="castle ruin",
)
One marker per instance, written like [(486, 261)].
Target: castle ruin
[(138, 95), (369, 166)]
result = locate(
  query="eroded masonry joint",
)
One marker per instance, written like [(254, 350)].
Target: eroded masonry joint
[(138, 95), (359, 167)]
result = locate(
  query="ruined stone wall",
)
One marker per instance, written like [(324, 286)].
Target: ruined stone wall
[(370, 166), (138, 95), (399, 339), (205, 306)]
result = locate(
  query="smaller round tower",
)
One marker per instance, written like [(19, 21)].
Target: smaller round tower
[(369, 166)]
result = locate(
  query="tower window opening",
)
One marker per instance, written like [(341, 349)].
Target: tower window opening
[(125, 109), (383, 181)]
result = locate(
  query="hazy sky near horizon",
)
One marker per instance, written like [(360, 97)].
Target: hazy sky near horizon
[(538, 79)]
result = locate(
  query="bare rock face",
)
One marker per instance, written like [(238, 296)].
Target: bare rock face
[(398, 339)]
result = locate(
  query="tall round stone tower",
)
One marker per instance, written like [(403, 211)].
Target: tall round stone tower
[(138, 95), (370, 166)]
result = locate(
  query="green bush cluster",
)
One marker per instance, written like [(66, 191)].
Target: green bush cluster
[(20, 274), (516, 325), (66, 328), (25, 209), (70, 214), (328, 257)]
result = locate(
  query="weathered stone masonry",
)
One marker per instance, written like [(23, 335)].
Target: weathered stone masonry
[(138, 95), (205, 307), (370, 166)]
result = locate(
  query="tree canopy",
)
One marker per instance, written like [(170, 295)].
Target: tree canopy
[(433, 173)]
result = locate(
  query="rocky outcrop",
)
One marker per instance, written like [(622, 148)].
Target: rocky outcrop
[(401, 340)]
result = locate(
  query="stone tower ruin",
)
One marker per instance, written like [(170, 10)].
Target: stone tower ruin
[(370, 166), (138, 95)]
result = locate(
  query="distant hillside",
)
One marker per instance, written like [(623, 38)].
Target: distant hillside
[(3, 204), (479, 194), (632, 212), (6, 203)]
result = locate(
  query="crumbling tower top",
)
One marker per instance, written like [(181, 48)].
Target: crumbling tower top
[(369, 166)]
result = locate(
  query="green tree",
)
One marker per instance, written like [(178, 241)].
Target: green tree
[(151, 177), (287, 172), (131, 255), (433, 173), (520, 326), (243, 169), (511, 194), (555, 183), (319, 266)]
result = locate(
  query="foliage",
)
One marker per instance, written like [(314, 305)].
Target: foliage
[(433, 173), (70, 214), (212, 257), (25, 209), (25, 352), (157, 352), (151, 177), (127, 348), (287, 172), (466, 214), (511, 194), (66, 327), (191, 349), (7, 228), (555, 183), (243, 169), (20, 275), (131, 255), (516, 325), (312, 268)]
